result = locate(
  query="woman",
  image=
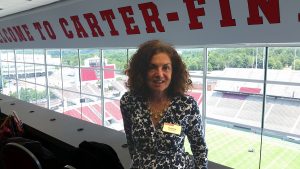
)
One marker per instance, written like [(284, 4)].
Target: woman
[(158, 115)]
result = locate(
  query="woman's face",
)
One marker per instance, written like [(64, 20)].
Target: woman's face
[(159, 73)]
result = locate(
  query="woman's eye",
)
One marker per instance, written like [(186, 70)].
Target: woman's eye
[(151, 67), (166, 68)]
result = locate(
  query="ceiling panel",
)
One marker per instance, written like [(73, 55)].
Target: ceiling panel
[(9, 7)]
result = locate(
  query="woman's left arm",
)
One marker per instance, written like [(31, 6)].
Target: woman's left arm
[(196, 138)]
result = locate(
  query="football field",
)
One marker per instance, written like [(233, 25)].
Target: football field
[(241, 150)]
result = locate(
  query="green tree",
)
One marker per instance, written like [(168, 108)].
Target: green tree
[(297, 64), (117, 57), (216, 61), (29, 95), (274, 63)]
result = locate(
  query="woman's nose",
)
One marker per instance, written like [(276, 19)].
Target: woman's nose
[(159, 72)]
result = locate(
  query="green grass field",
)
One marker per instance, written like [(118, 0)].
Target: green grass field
[(230, 147)]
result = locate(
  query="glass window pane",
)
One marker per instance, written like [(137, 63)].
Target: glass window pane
[(232, 147), (281, 135), (239, 86), (193, 59), (20, 70), (53, 56), (13, 90), (116, 57), (71, 99), (281, 139), (56, 100), (27, 91), (246, 63), (72, 105), (54, 76), (69, 57), (10, 55), (113, 117), (196, 91), (114, 84), (5, 69), (39, 56), (9, 76), (234, 95), (131, 53), (70, 78), (28, 56), (33, 95), (284, 64), (89, 54), (120, 85), (40, 74), (234, 119), (88, 104), (284, 91), (41, 96), (29, 71), (3, 55), (19, 56), (90, 81)]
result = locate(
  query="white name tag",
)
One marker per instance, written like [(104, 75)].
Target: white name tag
[(172, 128)]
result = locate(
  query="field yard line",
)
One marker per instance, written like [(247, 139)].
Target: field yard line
[(236, 154), (217, 148), (290, 161), (240, 162), (213, 134), (268, 112), (295, 125), (219, 145), (270, 164), (217, 102), (242, 106)]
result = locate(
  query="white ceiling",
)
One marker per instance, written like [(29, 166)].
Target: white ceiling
[(9, 7)]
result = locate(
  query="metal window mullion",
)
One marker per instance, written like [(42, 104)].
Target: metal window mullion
[(62, 82), (204, 87), (46, 79), (295, 54), (127, 58), (1, 72), (264, 102), (79, 77), (102, 88), (24, 64), (16, 72), (33, 51), (8, 72)]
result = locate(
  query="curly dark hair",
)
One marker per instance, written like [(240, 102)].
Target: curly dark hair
[(139, 63)]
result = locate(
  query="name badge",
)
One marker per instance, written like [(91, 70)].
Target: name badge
[(172, 128)]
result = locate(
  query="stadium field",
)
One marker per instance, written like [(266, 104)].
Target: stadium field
[(240, 150)]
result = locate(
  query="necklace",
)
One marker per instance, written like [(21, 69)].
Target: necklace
[(157, 111)]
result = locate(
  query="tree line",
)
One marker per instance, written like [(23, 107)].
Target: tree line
[(218, 58)]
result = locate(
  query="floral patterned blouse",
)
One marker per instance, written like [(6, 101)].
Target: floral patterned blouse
[(152, 148)]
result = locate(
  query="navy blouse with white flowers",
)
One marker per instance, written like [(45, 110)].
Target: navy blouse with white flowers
[(152, 148)]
